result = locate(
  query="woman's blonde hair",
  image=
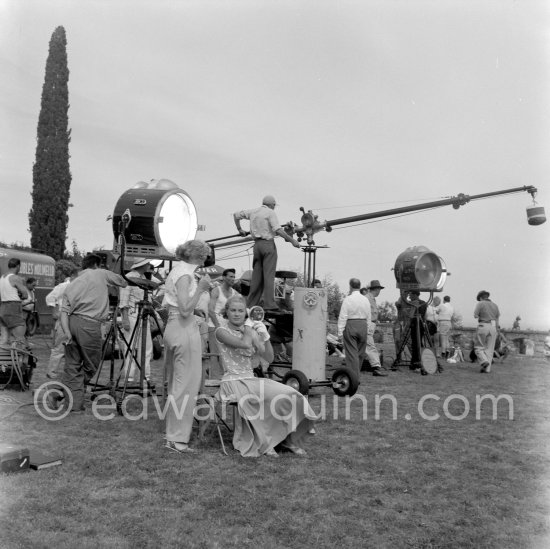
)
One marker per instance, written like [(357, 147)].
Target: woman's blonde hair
[(192, 249), (235, 298)]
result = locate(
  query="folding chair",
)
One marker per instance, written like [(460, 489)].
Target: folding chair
[(16, 365), (211, 365)]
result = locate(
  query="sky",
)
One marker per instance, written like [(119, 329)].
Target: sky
[(341, 107)]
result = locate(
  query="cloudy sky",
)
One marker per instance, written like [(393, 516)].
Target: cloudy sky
[(342, 107)]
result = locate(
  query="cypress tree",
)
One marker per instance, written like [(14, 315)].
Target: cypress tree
[(48, 217)]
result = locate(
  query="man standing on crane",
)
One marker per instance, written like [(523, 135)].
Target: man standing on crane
[(264, 226)]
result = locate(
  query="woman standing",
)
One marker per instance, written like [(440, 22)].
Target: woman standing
[(270, 414), (487, 315), (182, 342)]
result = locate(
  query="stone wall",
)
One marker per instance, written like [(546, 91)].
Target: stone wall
[(524, 343)]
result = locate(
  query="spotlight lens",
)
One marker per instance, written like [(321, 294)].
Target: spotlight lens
[(427, 267), (177, 221)]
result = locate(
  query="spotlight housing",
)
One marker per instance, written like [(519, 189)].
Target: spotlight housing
[(154, 218), (420, 269)]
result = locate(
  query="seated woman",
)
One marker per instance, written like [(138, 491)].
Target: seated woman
[(270, 414)]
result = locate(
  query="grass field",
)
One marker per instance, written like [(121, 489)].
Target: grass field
[(411, 481)]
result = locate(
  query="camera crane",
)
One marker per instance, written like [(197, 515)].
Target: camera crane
[(418, 268), (310, 223)]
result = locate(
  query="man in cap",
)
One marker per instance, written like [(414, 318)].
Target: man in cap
[(487, 314), (372, 292), (264, 226)]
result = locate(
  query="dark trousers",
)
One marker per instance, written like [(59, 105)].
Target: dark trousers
[(82, 356), (355, 342), (264, 265), (417, 335)]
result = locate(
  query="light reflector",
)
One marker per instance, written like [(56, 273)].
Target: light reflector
[(161, 217), (418, 268)]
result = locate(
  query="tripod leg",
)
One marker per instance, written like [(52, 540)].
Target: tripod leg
[(402, 345), (130, 359), (136, 356), (109, 339)]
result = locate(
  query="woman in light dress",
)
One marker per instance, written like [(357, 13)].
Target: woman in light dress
[(271, 416)]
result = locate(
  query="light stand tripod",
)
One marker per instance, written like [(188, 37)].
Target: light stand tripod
[(422, 346), (111, 343), (139, 336), (132, 355)]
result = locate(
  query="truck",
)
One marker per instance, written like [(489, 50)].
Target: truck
[(39, 266)]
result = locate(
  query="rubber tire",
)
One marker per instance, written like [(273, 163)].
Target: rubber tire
[(348, 382), (297, 380), (286, 274)]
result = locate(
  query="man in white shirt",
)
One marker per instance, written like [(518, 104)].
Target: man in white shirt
[(353, 325), (445, 313), (54, 299)]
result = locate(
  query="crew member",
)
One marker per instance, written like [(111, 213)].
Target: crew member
[(418, 309), (373, 291), (54, 299), (431, 323), (29, 307), (281, 330), (487, 314), (216, 308), (353, 325), (445, 313), (130, 297), (264, 226), (401, 325), (219, 296), (12, 291), (85, 307)]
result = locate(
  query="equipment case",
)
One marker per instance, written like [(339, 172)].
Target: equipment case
[(13, 459)]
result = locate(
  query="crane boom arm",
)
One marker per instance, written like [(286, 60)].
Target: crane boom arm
[(311, 224), (454, 201)]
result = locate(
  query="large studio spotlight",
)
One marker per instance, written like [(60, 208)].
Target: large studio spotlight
[(418, 268), (154, 219)]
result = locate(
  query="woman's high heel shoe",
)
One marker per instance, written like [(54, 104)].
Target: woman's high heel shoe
[(180, 449)]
